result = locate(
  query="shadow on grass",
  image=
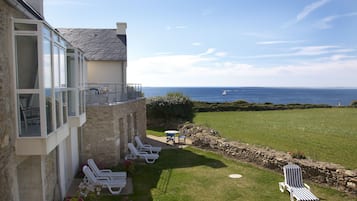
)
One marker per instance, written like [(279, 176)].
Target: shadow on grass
[(147, 177)]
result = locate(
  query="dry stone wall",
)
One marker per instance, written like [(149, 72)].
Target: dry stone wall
[(330, 174)]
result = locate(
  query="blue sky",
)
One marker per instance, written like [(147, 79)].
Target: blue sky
[(268, 43)]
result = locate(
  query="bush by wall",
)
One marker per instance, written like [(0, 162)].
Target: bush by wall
[(242, 105), (166, 112)]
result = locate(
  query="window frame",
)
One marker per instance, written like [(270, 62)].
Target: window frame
[(55, 40)]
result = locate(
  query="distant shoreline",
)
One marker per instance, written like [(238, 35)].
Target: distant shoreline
[(275, 95)]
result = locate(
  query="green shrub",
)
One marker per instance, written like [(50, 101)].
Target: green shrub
[(174, 107), (298, 155), (354, 103)]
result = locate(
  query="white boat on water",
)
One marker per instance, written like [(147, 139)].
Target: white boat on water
[(224, 92)]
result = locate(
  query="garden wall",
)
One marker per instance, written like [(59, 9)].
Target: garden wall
[(330, 174)]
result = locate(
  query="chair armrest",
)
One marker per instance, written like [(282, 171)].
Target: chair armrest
[(147, 146), (103, 178), (105, 171), (307, 186)]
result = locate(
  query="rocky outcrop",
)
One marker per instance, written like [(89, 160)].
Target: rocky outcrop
[(333, 175)]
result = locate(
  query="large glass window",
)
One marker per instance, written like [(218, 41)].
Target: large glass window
[(41, 87), (25, 27), (27, 62), (49, 114), (81, 102), (64, 107), (47, 64), (76, 82), (71, 68), (62, 68), (29, 115), (56, 66), (72, 102), (58, 110)]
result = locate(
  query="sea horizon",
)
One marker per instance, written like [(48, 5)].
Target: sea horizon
[(335, 96)]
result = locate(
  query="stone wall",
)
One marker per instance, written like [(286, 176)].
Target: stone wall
[(7, 107), (108, 130), (330, 174)]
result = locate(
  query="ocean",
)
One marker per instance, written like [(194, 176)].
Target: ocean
[(330, 96)]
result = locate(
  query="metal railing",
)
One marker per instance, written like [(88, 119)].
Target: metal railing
[(108, 93)]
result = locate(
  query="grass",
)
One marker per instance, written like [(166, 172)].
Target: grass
[(321, 134), (192, 174)]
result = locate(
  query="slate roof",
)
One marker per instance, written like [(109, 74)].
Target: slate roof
[(97, 44)]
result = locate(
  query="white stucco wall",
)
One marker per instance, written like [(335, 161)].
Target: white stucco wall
[(75, 151), (68, 160), (106, 72)]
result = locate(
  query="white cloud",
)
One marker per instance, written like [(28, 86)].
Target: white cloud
[(277, 42), (210, 70), (221, 54), (338, 57), (196, 44), (208, 51), (310, 8), (305, 51), (326, 23), (169, 28)]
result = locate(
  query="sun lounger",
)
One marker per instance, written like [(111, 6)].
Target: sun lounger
[(294, 184), (114, 186), (134, 154), (105, 172), (146, 147)]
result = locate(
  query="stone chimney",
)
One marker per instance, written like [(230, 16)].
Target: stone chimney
[(121, 31)]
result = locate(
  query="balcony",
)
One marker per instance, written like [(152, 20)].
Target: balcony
[(111, 93)]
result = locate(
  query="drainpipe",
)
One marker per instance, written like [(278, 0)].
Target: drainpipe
[(25, 8)]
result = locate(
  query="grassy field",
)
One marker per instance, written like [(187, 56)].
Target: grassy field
[(322, 134), (191, 174)]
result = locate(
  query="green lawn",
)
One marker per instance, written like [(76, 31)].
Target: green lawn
[(191, 174), (322, 134)]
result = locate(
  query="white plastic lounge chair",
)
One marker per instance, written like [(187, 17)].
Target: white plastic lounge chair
[(134, 154), (146, 147), (105, 172), (104, 182), (294, 184)]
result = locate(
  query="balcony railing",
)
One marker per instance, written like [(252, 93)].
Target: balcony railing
[(109, 93)]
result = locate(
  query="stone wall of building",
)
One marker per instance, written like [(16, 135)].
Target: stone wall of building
[(108, 130), (329, 174), (7, 107)]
